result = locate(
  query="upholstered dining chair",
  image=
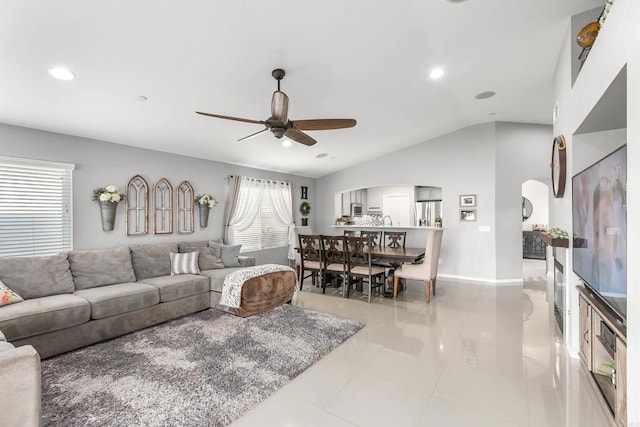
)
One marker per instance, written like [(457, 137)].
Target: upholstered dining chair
[(310, 247), (359, 265), (427, 271), (332, 258), (394, 239)]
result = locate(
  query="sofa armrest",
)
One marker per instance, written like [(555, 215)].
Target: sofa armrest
[(20, 386), (246, 261)]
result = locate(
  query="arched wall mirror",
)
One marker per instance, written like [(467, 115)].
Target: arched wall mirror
[(527, 209)]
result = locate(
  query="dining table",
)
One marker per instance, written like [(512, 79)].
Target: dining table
[(397, 255)]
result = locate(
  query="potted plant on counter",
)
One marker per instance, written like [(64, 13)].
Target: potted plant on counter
[(438, 222)]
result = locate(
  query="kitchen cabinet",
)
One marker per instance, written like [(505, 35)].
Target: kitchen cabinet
[(354, 196)]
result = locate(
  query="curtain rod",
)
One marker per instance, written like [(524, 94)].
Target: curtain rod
[(264, 180)]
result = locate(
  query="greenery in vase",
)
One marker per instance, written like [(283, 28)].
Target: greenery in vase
[(110, 193), (558, 233), (205, 199)]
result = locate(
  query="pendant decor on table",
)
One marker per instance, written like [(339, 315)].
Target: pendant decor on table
[(108, 197), (205, 203)]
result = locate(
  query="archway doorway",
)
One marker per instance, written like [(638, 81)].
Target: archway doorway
[(535, 219)]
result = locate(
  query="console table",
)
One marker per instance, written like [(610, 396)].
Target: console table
[(533, 246), (603, 352)]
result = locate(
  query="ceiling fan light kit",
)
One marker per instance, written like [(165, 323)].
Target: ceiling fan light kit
[(280, 125)]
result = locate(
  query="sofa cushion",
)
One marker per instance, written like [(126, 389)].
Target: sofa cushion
[(209, 257), (184, 263), (188, 246), (111, 300), (35, 277), (216, 277), (7, 296), (41, 315), (175, 287), (228, 253), (152, 260), (101, 267)]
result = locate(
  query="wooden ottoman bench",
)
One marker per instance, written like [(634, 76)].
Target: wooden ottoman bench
[(260, 293)]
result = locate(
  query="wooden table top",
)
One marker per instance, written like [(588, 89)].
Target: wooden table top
[(398, 254)]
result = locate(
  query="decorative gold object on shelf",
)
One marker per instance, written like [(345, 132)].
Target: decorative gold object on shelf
[(587, 35)]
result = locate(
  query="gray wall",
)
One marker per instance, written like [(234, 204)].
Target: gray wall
[(523, 152), (100, 163), (486, 160)]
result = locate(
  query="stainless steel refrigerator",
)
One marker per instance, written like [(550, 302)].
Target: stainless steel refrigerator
[(427, 211)]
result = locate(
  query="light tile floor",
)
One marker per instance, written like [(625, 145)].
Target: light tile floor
[(478, 355)]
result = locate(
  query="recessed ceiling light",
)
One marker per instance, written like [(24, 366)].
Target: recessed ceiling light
[(321, 155), (485, 95), (61, 73), (456, 1), (142, 98), (436, 73), (286, 143)]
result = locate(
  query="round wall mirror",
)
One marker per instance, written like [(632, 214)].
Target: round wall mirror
[(527, 209)]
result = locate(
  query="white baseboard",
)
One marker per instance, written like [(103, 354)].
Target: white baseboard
[(497, 282)]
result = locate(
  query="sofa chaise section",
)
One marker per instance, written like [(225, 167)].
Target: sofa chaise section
[(20, 404)]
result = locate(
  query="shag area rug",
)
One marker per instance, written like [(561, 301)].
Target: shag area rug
[(205, 369)]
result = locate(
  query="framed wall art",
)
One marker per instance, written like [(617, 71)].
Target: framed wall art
[(468, 201), (467, 214)]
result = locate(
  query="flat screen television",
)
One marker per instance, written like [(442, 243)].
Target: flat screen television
[(600, 229)]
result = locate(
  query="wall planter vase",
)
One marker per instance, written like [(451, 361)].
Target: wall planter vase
[(204, 215), (108, 215)]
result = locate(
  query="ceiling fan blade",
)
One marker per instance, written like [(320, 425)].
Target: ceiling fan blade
[(237, 119), (253, 134), (280, 107), (323, 124), (300, 137)]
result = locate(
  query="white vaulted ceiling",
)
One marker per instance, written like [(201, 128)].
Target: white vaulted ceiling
[(363, 59)]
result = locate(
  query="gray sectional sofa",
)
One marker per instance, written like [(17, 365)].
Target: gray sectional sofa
[(82, 297)]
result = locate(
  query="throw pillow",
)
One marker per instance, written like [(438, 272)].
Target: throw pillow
[(228, 253), (186, 263), (7, 296), (209, 258)]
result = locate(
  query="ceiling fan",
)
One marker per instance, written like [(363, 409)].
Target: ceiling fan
[(279, 123)]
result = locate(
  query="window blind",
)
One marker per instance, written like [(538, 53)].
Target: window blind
[(266, 231), (35, 207)]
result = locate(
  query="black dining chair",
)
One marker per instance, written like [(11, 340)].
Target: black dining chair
[(310, 247), (359, 267), (350, 233)]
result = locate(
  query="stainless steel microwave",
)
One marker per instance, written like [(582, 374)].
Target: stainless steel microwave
[(356, 209)]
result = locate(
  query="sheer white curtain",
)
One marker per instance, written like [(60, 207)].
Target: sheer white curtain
[(279, 195), (259, 206), (245, 213)]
